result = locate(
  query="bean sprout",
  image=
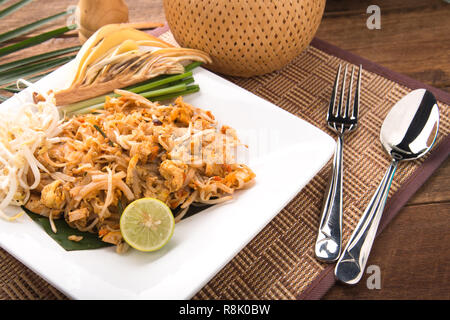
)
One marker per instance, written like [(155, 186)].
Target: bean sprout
[(21, 133)]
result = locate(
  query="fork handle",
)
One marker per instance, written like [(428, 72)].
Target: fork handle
[(329, 237), (352, 263)]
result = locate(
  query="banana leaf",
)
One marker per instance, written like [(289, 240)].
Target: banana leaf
[(30, 27), (13, 8), (89, 241), (35, 40)]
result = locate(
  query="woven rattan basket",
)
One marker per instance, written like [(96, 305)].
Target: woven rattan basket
[(243, 37)]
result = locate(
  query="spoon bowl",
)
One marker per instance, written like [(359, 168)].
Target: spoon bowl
[(411, 126), (408, 132)]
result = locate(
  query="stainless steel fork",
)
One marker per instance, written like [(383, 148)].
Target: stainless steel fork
[(329, 237)]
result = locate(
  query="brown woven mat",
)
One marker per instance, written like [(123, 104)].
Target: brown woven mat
[(279, 262)]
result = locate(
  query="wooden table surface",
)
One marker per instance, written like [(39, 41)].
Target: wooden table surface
[(413, 252)]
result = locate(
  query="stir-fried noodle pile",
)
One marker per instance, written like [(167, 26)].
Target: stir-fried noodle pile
[(86, 169)]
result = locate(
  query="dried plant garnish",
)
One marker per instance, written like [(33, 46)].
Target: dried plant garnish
[(117, 57)]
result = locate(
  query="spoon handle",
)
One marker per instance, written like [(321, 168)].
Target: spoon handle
[(352, 262), (329, 237)]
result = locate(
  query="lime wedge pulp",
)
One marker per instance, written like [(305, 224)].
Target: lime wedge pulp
[(147, 224)]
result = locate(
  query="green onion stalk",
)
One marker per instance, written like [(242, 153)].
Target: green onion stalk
[(35, 40), (13, 34), (13, 8), (16, 87), (159, 88), (28, 70), (175, 90), (37, 58)]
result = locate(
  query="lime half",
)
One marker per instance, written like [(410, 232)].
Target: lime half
[(147, 224)]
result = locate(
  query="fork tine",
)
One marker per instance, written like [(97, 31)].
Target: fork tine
[(357, 95), (333, 94), (347, 104), (341, 98)]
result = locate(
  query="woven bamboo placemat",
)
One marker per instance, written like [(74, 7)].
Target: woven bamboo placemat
[(279, 262)]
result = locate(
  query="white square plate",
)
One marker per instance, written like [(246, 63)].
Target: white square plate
[(285, 152)]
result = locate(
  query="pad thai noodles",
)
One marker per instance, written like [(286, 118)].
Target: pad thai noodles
[(89, 167)]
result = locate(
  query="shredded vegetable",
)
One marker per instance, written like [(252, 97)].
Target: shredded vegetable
[(22, 133)]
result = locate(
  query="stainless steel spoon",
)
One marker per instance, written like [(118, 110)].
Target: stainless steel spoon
[(407, 133)]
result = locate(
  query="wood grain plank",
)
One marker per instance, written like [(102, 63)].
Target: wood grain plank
[(413, 39), (436, 189), (412, 253)]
